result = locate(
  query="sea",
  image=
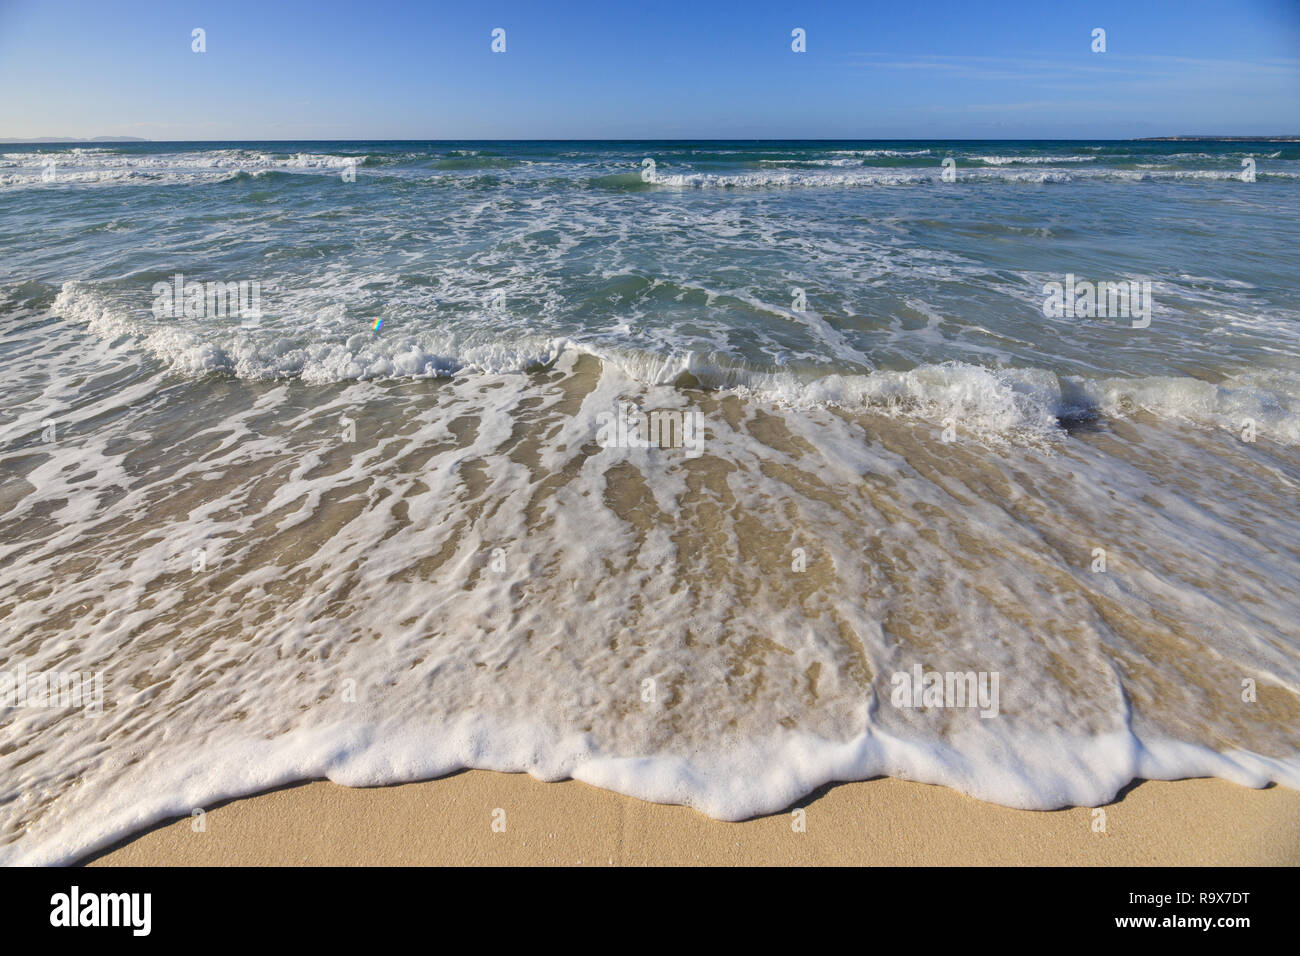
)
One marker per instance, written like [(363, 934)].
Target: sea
[(704, 472)]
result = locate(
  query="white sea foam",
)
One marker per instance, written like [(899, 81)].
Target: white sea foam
[(991, 401), (869, 177), (1032, 160), (872, 153), (88, 167), (842, 163), (768, 180), (1053, 771), (445, 680)]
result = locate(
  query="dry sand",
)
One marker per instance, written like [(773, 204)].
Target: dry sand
[(883, 821)]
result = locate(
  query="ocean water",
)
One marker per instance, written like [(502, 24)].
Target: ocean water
[(384, 520)]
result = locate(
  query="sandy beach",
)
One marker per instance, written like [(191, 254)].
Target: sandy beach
[(878, 822)]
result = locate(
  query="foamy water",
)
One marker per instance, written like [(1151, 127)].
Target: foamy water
[(303, 546)]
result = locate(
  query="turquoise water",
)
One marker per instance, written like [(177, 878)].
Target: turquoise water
[(386, 474), (899, 268)]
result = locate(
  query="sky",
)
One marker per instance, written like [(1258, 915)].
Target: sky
[(648, 69)]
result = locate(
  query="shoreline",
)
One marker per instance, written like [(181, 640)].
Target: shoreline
[(482, 817)]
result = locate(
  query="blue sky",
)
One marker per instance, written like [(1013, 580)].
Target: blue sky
[(424, 69)]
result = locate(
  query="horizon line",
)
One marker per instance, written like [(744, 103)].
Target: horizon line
[(1263, 137)]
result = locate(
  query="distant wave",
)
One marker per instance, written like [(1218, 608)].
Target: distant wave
[(808, 168), (1013, 160), (82, 167)]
